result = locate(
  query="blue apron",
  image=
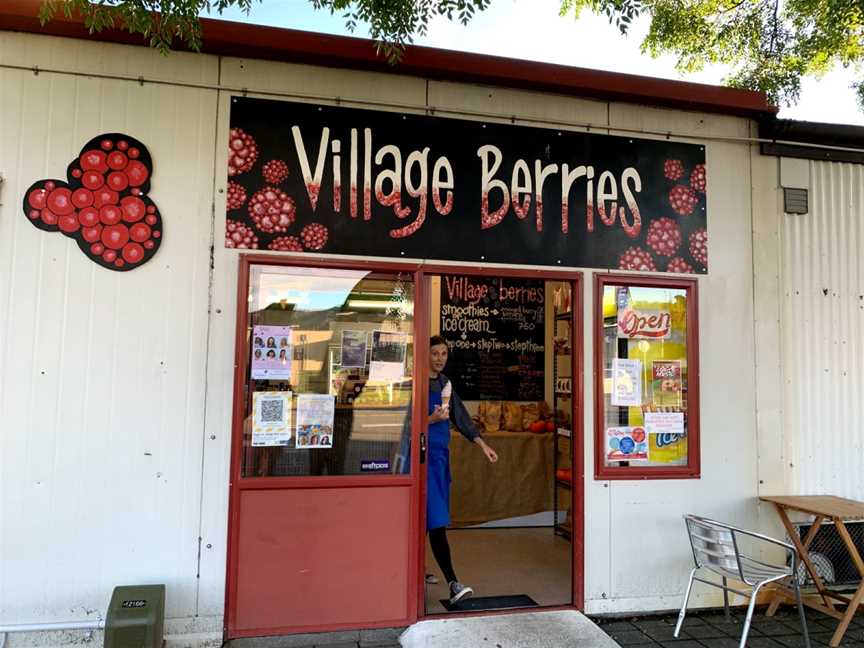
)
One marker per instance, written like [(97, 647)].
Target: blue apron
[(437, 469)]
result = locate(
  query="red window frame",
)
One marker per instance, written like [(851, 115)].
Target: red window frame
[(692, 469)]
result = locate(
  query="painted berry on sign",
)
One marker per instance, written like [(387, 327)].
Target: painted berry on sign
[(242, 152), (272, 210), (677, 264), (682, 199), (664, 236), (697, 178), (314, 236), (240, 236), (635, 258), (105, 193), (673, 169), (699, 246), (286, 244), (275, 171), (235, 197)]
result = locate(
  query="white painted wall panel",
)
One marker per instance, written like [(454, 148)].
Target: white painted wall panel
[(823, 319), (101, 373)]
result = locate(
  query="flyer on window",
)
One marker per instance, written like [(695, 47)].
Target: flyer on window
[(626, 444), (353, 353), (272, 351), (387, 361), (271, 418), (315, 420), (666, 423), (666, 383), (626, 382)]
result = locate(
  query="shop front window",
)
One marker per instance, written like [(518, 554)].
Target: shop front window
[(647, 378), (329, 364)]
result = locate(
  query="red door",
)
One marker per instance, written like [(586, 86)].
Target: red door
[(323, 518)]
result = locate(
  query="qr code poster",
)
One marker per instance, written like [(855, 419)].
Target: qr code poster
[(271, 418)]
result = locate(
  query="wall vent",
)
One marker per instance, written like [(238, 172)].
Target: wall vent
[(794, 201)]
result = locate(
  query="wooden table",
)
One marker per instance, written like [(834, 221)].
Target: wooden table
[(837, 510)]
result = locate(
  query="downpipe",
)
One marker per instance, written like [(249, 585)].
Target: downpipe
[(97, 624)]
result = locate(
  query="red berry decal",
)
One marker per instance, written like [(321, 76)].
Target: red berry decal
[(314, 236), (699, 246), (677, 264), (286, 244), (275, 171), (697, 178), (102, 203), (236, 196), (242, 152), (634, 258), (673, 169), (682, 199), (664, 236), (238, 235), (272, 210)]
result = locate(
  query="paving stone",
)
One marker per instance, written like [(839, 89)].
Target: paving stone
[(617, 626), (704, 631), (792, 641), (662, 634), (762, 642), (628, 637), (380, 637), (722, 642), (682, 643), (343, 644)]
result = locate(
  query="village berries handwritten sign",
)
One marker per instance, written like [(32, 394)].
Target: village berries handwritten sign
[(309, 178)]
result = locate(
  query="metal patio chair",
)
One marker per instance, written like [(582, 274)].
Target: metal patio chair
[(716, 548)]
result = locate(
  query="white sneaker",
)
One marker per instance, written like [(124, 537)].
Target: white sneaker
[(458, 591), (431, 579)]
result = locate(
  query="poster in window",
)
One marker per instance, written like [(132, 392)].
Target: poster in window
[(666, 383), (315, 420), (272, 352), (626, 382), (353, 353), (271, 419), (626, 444), (387, 362)]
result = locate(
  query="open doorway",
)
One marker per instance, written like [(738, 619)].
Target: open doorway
[(511, 345)]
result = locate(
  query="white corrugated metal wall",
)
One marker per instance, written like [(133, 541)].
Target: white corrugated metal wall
[(823, 333), (102, 374)]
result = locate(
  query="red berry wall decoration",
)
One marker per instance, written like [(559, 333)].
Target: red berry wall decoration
[(103, 204)]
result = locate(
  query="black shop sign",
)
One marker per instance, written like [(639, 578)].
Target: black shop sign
[(310, 178), (495, 331)]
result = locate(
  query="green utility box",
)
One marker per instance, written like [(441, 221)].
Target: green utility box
[(136, 617)]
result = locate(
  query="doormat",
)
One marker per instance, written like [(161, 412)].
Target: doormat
[(490, 603)]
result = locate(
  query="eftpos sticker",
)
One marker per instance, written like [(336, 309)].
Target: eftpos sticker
[(377, 465)]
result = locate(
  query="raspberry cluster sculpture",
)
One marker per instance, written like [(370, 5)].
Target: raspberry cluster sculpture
[(103, 205)]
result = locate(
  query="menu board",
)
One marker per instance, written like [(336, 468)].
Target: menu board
[(496, 332)]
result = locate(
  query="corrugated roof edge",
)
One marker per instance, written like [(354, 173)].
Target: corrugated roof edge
[(243, 40)]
